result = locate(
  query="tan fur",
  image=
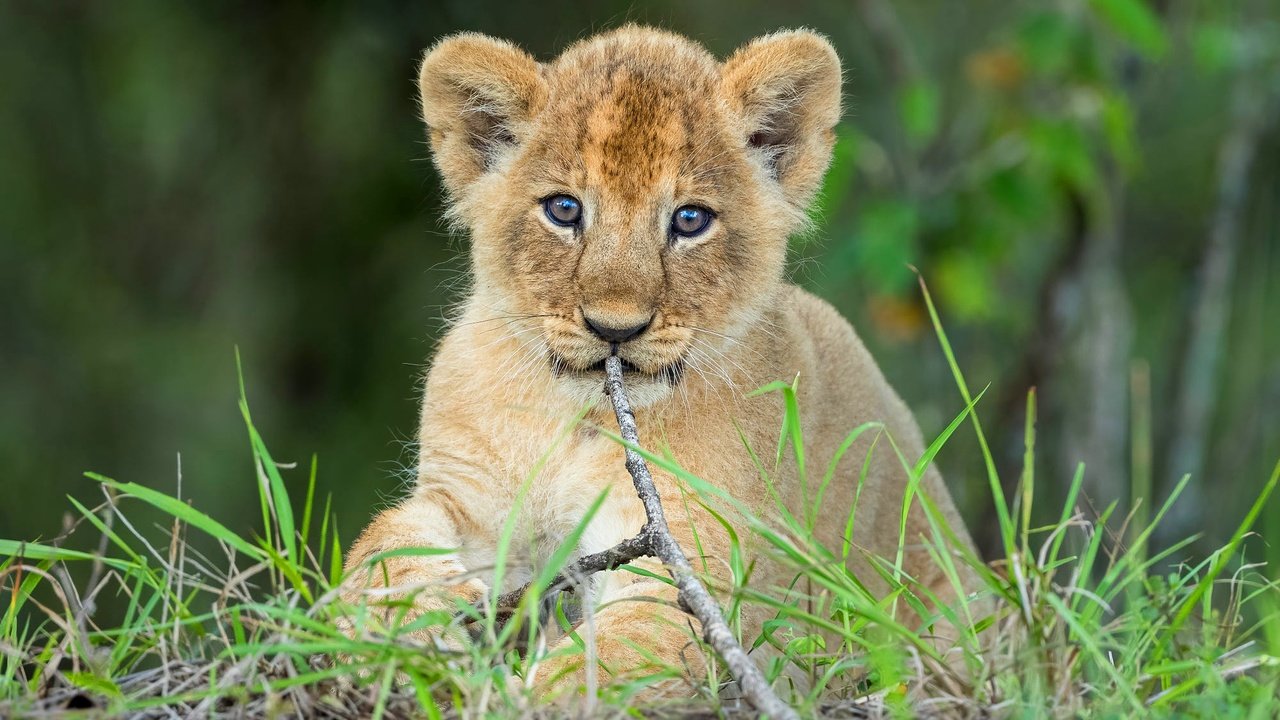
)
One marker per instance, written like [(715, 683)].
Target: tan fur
[(635, 123)]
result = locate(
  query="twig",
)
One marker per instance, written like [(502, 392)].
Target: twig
[(693, 596), (655, 540)]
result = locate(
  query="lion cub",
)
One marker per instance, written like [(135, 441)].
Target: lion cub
[(634, 196)]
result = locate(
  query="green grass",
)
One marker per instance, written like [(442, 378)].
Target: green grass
[(1075, 619)]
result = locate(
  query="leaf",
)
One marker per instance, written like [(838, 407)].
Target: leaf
[(918, 106), (1216, 47), (1046, 42), (1117, 125), (885, 243), (964, 281), (1019, 197), (1134, 21), (1063, 147)]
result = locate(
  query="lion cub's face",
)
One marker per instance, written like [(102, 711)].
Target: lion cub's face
[(633, 196)]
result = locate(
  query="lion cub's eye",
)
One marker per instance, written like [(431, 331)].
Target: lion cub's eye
[(563, 210), (690, 221)]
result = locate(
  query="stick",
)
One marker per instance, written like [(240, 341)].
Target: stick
[(693, 596), (655, 540)]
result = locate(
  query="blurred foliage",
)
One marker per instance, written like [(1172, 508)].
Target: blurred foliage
[(177, 179)]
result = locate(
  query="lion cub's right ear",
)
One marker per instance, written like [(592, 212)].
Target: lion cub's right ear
[(478, 97)]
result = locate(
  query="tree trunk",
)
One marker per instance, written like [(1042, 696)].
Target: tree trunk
[(1198, 384)]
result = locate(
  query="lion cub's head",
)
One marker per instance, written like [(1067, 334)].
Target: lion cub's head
[(634, 195)]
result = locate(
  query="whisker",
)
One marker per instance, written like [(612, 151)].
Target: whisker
[(508, 318)]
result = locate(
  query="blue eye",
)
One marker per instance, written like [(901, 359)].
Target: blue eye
[(690, 221), (563, 210)]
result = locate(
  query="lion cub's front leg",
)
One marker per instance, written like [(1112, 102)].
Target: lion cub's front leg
[(399, 589)]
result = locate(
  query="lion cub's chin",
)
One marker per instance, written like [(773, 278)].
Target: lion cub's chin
[(588, 387)]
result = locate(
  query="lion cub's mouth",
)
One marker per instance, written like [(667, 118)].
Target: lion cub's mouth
[(670, 374)]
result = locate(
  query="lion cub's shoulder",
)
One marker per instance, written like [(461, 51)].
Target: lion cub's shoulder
[(816, 319), (829, 353)]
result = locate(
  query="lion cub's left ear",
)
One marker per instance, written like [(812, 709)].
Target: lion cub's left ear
[(479, 95), (786, 87)]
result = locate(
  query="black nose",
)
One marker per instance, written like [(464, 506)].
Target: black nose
[(615, 334)]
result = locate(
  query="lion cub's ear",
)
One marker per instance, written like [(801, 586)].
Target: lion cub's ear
[(478, 96), (786, 86)]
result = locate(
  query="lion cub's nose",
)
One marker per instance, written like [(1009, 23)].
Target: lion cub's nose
[(608, 333)]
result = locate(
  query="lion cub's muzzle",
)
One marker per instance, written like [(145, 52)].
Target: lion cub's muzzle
[(639, 335)]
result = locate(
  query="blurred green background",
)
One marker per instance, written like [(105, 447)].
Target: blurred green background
[(1090, 187)]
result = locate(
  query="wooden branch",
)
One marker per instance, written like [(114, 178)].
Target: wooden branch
[(655, 540), (693, 596)]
